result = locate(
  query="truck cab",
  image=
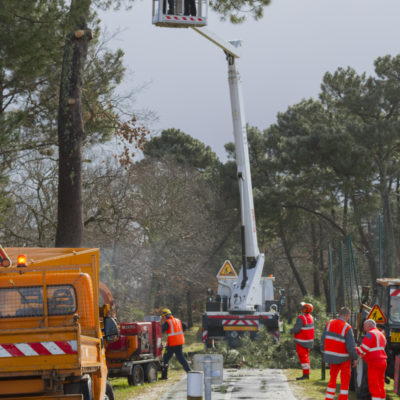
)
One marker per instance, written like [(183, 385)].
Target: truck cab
[(390, 305), (386, 314), (51, 342)]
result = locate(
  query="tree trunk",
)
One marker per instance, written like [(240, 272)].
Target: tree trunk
[(315, 266), (70, 129), (189, 308), (389, 249), (323, 272), (291, 263)]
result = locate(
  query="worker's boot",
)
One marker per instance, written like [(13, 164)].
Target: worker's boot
[(305, 376), (164, 372)]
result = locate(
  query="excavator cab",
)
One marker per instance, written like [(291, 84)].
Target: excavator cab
[(180, 13)]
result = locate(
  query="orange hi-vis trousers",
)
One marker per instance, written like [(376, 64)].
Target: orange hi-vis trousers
[(376, 379), (304, 357), (345, 372)]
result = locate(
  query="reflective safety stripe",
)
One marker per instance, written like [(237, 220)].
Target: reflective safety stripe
[(304, 340), (344, 330), (329, 396), (335, 338), (336, 354), (331, 390), (377, 348), (175, 333), (344, 392)]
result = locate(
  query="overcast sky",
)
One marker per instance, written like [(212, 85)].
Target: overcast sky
[(284, 57)]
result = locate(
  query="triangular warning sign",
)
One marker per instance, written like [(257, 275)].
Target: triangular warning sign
[(4, 259), (377, 315), (227, 271)]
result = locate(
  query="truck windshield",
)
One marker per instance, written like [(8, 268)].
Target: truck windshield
[(395, 309), (28, 301)]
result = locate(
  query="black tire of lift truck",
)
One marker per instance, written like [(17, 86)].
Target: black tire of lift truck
[(352, 379), (361, 381)]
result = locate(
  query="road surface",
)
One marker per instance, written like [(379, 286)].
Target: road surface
[(260, 384)]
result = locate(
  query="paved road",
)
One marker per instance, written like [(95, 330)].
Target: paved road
[(260, 384)]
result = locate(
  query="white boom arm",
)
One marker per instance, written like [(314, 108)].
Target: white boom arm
[(246, 290)]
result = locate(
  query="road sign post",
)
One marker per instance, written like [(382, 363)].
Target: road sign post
[(212, 366)]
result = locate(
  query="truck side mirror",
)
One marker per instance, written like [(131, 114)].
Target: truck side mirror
[(111, 331)]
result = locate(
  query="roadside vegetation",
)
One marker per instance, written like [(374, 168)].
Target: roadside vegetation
[(315, 388), (122, 391)]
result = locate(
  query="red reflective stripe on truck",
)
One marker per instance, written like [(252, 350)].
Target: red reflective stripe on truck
[(65, 347), (239, 322), (38, 349), (12, 350)]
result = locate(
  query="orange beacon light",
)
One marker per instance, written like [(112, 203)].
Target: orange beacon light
[(21, 260)]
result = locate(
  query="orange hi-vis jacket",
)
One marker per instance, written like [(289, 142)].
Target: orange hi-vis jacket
[(306, 334), (373, 346), (175, 336), (335, 342)]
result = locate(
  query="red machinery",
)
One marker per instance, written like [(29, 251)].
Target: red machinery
[(137, 353)]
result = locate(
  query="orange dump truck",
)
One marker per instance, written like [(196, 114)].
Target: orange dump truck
[(51, 341)]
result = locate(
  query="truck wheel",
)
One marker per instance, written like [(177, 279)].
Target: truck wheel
[(361, 381), (209, 343), (86, 389), (109, 392), (137, 376), (234, 340), (83, 387), (151, 372)]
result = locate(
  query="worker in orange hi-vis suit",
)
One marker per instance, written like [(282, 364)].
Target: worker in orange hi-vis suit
[(372, 350), (303, 331), (339, 348)]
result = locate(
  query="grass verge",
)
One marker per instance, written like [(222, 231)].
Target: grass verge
[(123, 391), (315, 388)]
